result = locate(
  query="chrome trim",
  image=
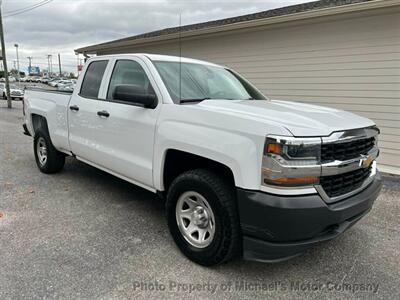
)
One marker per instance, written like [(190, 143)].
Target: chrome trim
[(328, 199), (351, 135), (339, 167), (291, 140), (289, 191), (277, 167)]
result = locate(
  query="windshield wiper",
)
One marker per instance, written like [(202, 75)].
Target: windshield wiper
[(193, 100)]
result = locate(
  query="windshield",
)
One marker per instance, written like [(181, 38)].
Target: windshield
[(201, 82)]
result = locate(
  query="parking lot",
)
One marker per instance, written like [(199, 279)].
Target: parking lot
[(85, 234)]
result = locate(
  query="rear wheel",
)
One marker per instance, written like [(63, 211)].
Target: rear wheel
[(48, 159), (202, 217)]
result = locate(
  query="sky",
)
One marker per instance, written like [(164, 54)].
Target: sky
[(60, 26)]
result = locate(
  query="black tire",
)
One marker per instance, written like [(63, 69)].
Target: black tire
[(221, 196), (55, 160)]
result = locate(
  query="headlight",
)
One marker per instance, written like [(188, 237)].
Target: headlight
[(291, 162), (294, 149)]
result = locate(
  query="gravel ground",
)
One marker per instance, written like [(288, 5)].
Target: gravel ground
[(85, 234)]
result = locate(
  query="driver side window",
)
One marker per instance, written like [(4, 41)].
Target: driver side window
[(128, 72)]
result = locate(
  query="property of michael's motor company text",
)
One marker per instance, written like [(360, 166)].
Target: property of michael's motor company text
[(234, 286)]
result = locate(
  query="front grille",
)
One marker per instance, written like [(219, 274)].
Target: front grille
[(341, 184), (346, 150)]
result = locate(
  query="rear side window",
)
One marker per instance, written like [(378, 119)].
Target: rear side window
[(92, 80)]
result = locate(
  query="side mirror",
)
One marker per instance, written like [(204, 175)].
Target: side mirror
[(134, 94)]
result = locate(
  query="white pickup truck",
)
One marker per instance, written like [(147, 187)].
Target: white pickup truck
[(241, 174)]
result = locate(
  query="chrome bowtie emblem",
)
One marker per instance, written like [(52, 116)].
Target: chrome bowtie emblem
[(366, 161)]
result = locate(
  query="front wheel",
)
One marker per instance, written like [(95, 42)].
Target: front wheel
[(202, 217), (48, 159)]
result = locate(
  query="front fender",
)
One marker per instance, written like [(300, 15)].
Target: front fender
[(236, 151)]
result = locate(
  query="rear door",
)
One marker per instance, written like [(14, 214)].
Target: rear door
[(85, 126)]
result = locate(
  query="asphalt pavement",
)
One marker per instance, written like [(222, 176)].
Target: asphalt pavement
[(84, 234)]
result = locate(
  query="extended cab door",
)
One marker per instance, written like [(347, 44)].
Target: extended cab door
[(116, 135)]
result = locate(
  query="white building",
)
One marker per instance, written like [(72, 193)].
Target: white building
[(341, 53)]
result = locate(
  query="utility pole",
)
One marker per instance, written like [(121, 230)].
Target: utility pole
[(30, 61), (78, 64), (30, 64), (18, 76), (51, 64), (59, 63), (3, 50), (48, 63)]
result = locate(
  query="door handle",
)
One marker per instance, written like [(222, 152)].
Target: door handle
[(74, 107), (103, 113)]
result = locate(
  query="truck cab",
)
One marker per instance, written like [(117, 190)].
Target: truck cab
[(242, 174)]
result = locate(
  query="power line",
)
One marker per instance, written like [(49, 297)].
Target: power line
[(27, 9), (29, 6)]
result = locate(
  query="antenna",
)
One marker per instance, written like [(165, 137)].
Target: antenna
[(180, 57)]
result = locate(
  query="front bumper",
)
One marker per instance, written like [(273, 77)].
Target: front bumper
[(280, 227)]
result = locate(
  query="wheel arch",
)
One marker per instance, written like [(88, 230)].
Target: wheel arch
[(177, 161), (38, 121)]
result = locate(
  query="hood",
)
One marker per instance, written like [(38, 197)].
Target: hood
[(298, 118)]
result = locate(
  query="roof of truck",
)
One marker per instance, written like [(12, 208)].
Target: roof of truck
[(158, 57)]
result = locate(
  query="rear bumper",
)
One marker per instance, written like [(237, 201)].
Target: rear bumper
[(280, 227)]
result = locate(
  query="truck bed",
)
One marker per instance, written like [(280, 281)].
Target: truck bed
[(53, 105)]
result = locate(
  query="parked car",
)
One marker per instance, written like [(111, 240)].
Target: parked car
[(62, 83), (44, 80), (66, 87), (15, 92), (33, 79), (241, 174), (54, 82)]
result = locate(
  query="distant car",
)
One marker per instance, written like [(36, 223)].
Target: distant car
[(44, 80), (66, 87), (63, 82), (15, 92), (54, 82)]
